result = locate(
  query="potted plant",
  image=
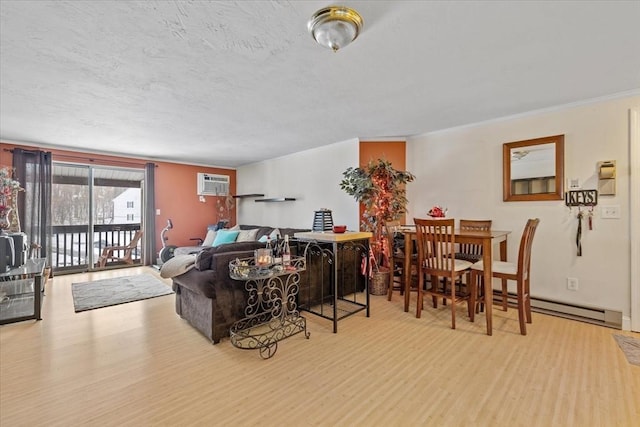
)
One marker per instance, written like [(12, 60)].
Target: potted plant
[(9, 188), (382, 191)]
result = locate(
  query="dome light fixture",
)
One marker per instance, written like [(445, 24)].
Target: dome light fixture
[(334, 27)]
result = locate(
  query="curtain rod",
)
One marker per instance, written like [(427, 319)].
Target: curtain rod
[(87, 158), (10, 150)]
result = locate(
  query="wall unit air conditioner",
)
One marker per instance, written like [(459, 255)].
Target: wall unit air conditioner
[(213, 185)]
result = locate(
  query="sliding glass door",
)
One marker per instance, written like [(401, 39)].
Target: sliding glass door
[(93, 207)]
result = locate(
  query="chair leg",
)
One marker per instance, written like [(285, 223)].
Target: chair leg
[(435, 281), (505, 295), (453, 302), (444, 290), (473, 288), (521, 309), (102, 261), (478, 284), (468, 293), (527, 301), (419, 302)]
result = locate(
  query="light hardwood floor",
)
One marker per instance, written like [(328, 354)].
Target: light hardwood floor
[(139, 364)]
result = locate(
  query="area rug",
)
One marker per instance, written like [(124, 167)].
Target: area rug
[(630, 347), (117, 290)]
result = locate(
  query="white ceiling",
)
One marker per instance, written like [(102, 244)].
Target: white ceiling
[(229, 83)]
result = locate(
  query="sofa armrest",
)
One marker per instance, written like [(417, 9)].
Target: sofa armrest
[(205, 259), (198, 239), (197, 281)]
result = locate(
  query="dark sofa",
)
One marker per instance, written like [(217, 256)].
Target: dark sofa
[(207, 297), (211, 301)]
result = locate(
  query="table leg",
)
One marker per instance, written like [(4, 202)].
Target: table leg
[(408, 250), (38, 290), (366, 278), (503, 257), (335, 288)]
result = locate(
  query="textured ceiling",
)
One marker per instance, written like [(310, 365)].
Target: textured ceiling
[(230, 83)]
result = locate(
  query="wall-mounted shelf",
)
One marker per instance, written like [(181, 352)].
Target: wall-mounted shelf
[(276, 199), (245, 196)]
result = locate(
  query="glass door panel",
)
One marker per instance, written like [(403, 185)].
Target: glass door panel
[(93, 207), (70, 213), (117, 202)]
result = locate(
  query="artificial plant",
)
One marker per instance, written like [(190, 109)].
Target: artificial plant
[(382, 191)]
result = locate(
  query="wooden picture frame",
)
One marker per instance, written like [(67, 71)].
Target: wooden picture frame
[(546, 167)]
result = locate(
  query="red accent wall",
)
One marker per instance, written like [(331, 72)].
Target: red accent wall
[(393, 151), (175, 191)]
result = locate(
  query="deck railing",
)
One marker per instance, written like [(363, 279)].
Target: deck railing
[(70, 244)]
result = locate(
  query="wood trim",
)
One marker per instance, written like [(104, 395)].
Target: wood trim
[(558, 194)]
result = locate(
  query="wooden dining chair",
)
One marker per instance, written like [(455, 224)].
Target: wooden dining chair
[(518, 272), (469, 251), (396, 260), (109, 252), (436, 249)]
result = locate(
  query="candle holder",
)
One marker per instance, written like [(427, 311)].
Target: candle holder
[(263, 259)]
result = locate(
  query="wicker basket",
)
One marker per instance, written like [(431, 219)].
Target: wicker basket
[(379, 285)]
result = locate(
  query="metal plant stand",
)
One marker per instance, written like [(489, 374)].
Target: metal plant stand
[(336, 304), (272, 310)]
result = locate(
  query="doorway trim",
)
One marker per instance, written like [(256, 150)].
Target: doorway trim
[(634, 214)]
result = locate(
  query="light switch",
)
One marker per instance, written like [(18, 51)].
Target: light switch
[(573, 183), (610, 212), (157, 211)]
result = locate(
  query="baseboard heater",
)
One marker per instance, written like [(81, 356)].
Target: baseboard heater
[(598, 316)]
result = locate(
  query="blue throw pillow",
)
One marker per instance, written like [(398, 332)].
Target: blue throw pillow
[(225, 236), (272, 236)]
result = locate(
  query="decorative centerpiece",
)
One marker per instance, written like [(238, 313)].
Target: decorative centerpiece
[(437, 212), (339, 229), (263, 258)]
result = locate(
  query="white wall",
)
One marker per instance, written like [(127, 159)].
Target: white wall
[(462, 169), (312, 177)]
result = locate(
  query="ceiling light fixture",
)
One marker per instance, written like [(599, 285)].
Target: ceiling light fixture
[(518, 155), (334, 27)]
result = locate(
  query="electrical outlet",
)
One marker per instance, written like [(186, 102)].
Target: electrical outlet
[(610, 212), (572, 283)]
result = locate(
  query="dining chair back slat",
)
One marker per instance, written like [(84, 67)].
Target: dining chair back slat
[(470, 251)]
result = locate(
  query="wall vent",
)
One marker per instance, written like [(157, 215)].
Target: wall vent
[(597, 316), (213, 185)]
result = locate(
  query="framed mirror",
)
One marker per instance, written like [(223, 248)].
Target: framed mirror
[(533, 170)]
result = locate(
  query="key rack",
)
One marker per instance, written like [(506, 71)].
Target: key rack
[(581, 198)]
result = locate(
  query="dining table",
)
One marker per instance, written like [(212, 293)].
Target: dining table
[(485, 238)]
